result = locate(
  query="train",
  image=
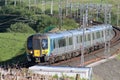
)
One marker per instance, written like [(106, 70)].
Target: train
[(57, 46)]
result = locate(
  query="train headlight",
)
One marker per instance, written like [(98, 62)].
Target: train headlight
[(31, 52)]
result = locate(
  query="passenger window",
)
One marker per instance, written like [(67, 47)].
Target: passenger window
[(62, 42), (80, 38), (70, 41), (98, 34), (54, 44), (108, 32), (102, 33), (89, 37), (93, 36), (85, 39)]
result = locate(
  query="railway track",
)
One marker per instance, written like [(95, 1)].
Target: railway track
[(95, 55)]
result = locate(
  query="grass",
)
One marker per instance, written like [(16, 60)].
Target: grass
[(11, 45)]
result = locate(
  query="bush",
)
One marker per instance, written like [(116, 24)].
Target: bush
[(69, 24), (45, 21), (21, 28)]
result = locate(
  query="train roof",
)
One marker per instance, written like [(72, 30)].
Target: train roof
[(77, 31)]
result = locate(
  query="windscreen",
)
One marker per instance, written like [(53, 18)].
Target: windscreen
[(44, 43), (29, 43)]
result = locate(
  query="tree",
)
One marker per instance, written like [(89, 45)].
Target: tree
[(20, 27), (69, 24), (45, 21)]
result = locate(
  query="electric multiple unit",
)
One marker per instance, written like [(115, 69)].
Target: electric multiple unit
[(44, 46)]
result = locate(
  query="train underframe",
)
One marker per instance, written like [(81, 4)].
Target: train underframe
[(76, 53)]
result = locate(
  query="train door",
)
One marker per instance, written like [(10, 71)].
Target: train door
[(37, 46)]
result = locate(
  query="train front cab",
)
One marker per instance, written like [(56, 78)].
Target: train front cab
[(37, 46)]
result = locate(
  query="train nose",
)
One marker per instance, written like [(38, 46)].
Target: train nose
[(36, 53)]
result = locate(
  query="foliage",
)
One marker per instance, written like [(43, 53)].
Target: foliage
[(21, 28), (55, 76), (16, 10), (69, 24), (35, 9), (48, 11), (114, 19), (45, 21)]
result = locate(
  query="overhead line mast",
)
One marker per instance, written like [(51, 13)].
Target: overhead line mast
[(83, 43), (43, 6), (60, 14), (118, 13), (51, 11), (85, 24), (107, 20), (29, 4), (6, 2)]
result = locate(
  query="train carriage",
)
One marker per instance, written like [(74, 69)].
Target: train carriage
[(66, 44)]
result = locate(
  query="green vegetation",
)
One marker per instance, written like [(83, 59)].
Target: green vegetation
[(12, 45), (55, 76), (44, 21), (20, 28), (69, 24)]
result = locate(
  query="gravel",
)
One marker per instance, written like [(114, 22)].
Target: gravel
[(109, 70)]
